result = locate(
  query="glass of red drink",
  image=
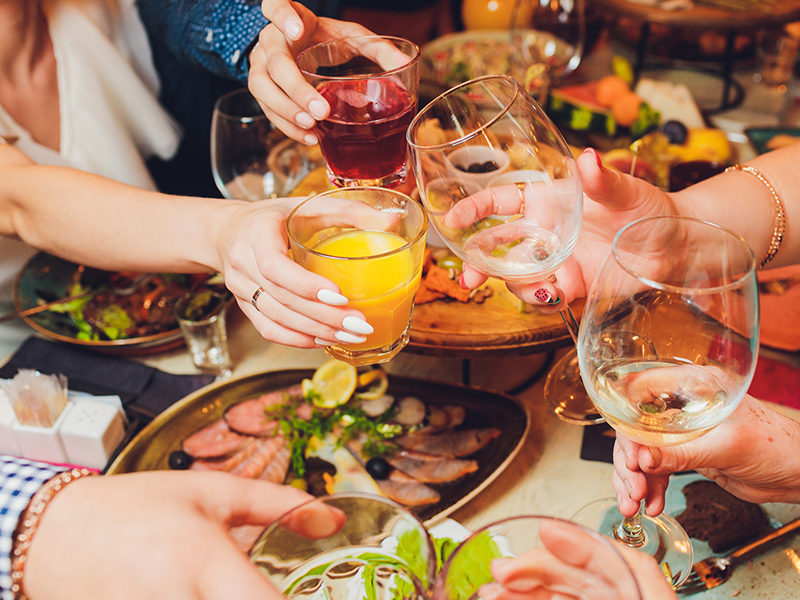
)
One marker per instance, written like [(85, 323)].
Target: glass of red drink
[(371, 85)]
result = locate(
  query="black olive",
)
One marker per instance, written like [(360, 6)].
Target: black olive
[(378, 468), (179, 460), (675, 131)]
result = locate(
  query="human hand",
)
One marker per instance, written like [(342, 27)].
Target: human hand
[(572, 564), (297, 307), (288, 100), (158, 535), (724, 454), (611, 200)]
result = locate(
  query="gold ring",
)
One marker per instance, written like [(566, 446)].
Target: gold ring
[(256, 294)]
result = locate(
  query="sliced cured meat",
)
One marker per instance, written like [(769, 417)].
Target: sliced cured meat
[(427, 468), (250, 418), (215, 440), (277, 469), (228, 463), (254, 466), (406, 490), (452, 443)]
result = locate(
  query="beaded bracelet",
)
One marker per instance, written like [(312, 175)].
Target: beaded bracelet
[(29, 523), (779, 231)]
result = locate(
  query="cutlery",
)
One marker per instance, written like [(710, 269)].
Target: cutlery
[(716, 570), (136, 283)]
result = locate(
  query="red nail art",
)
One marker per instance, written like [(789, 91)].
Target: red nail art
[(596, 156), (542, 295), (461, 282)]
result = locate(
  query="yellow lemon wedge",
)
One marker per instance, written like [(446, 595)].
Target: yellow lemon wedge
[(332, 384), (372, 384)]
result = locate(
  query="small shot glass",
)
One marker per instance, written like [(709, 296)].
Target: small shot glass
[(202, 321)]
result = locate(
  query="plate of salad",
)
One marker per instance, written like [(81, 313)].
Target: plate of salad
[(137, 322)]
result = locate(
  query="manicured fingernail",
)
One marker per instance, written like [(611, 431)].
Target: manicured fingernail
[(292, 28), (331, 298), (544, 296), (321, 342), (317, 108), (357, 325), (349, 338), (310, 139), (461, 282), (593, 152), (305, 120)]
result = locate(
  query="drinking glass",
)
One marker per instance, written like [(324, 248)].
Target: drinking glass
[(371, 243), (552, 558), (201, 318), (371, 85), (689, 288), (381, 551), (499, 183), (241, 140), (550, 34)]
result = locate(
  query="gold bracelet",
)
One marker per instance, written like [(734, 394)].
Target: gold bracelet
[(29, 523), (779, 231)]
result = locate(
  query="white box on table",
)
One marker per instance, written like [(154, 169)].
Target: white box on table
[(92, 432), (8, 443), (42, 443)]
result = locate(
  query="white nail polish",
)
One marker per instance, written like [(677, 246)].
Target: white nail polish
[(321, 342), (331, 298), (310, 139), (292, 28), (357, 325), (349, 338)]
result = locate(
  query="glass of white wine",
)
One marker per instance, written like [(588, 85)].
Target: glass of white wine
[(688, 289)]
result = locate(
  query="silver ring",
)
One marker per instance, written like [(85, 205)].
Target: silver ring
[(254, 299)]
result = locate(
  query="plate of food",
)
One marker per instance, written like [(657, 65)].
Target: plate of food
[(137, 321), (428, 445)]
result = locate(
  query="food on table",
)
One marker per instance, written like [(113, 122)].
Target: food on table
[(781, 140), (399, 447), (673, 101), (718, 517), (440, 273), (147, 311), (675, 131)]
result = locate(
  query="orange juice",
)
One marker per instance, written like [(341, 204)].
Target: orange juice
[(379, 282)]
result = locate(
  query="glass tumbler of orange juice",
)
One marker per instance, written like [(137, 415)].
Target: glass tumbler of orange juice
[(370, 242)]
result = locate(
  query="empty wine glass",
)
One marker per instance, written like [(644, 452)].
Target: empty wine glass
[(689, 288), (241, 140), (548, 35)]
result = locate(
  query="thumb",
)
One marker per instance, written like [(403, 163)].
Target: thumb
[(612, 189), (664, 461)]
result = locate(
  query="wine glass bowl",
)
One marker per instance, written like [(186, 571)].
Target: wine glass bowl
[(371, 84), (241, 141), (521, 229)]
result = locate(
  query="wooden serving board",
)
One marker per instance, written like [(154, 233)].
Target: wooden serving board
[(494, 328)]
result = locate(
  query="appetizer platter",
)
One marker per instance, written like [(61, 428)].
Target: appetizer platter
[(137, 319), (430, 446)]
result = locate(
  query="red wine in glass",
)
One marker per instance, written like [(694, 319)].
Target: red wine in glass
[(364, 137)]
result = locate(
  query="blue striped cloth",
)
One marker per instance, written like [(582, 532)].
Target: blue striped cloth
[(20, 479)]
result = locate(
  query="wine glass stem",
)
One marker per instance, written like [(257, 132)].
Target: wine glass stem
[(630, 531), (566, 312)]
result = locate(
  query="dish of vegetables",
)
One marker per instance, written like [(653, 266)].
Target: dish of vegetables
[(138, 319)]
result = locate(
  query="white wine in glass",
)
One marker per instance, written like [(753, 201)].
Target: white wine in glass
[(688, 289)]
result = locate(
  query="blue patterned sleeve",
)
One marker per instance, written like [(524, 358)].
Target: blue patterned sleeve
[(20, 479), (214, 35)]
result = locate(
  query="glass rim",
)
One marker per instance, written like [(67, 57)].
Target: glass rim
[(413, 59), (207, 319), (465, 138), (422, 233), (748, 271), (243, 118), (603, 540)]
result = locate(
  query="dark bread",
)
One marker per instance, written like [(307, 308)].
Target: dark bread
[(720, 518)]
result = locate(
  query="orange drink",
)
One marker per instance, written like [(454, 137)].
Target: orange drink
[(370, 242)]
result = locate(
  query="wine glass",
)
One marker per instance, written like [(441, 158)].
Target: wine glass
[(544, 557), (689, 288), (371, 84), (499, 183), (548, 35), (241, 139), (347, 545)]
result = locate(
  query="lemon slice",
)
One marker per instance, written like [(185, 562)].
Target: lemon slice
[(332, 384), (372, 384)]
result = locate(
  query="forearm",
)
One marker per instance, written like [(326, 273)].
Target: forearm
[(105, 224), (743, 204)]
